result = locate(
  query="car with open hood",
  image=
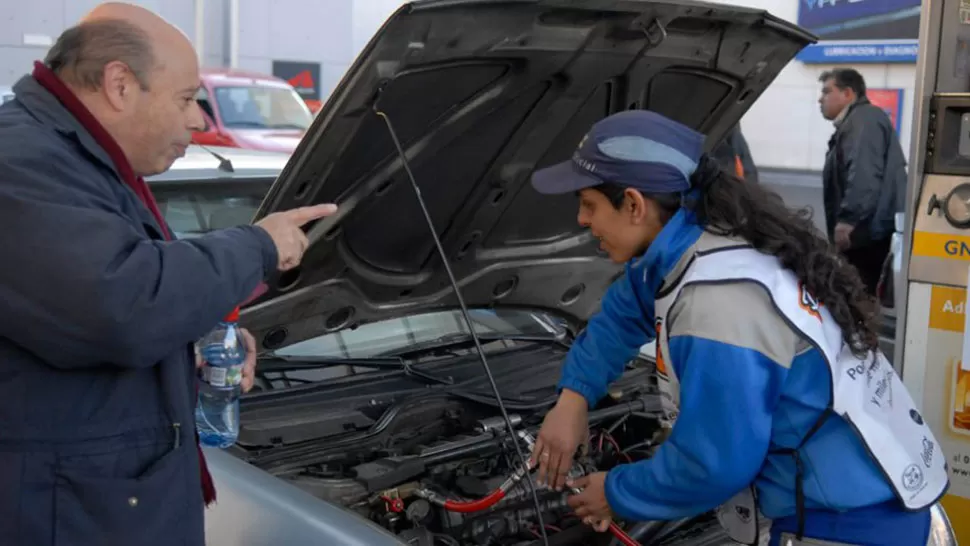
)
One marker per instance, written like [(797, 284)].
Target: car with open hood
[(371, 392)]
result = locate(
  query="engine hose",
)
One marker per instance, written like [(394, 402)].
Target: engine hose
[(621, 535), (466, 507), (492, 498)]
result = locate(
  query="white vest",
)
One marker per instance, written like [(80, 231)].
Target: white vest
[(867, 393)]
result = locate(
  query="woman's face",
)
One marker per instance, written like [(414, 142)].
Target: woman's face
[(624, 233)]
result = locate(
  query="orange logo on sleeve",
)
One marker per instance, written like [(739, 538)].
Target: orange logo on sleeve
[(808, 302), (659, 356)]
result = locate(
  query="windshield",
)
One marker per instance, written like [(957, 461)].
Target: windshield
[(192, 210), (392, 336), (262, 107)]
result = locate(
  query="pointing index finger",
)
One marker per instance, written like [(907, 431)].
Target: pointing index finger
[(303, 215)]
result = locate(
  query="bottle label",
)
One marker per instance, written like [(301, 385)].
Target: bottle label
[(223, 378)]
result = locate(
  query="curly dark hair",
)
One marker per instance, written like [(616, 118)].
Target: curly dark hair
[(725, 205)]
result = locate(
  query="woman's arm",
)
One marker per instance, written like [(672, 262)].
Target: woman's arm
[(731, 352), (611, 339)]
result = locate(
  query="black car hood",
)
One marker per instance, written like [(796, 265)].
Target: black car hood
[(480, 94)]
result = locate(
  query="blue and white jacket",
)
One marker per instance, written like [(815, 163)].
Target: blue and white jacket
[(748, 385)]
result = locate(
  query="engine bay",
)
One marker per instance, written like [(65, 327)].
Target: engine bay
[(425, 464)]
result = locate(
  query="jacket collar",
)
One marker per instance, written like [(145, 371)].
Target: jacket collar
[(52, 101), (680, 233), (45, 107), (840, 119)]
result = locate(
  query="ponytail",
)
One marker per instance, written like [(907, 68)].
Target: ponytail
[(727, 206)]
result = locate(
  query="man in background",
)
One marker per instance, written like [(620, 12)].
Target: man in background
[(864, 178)]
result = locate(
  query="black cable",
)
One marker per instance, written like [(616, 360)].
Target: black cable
[(471, 327), (445, 539)]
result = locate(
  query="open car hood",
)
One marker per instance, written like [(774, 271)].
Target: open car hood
[(480, 94)]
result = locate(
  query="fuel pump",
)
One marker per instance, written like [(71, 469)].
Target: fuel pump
[(932, 350)]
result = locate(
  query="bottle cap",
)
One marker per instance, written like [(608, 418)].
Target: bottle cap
[(233, 316)]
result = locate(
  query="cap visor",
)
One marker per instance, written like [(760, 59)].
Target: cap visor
[(561, 178)]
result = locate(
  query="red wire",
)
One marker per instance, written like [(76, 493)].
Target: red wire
[(621, 535), (465, 507), (613, 443)]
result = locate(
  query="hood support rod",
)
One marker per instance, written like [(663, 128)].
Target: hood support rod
[(464, 311)]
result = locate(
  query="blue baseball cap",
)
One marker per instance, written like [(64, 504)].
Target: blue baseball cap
[(637, 148)]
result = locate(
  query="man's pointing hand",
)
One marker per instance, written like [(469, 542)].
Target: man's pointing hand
[(285, 230)]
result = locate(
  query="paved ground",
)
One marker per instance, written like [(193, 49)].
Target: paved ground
[(798, 194)]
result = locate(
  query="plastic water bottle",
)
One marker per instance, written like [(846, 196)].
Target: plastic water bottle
[(220, 379)]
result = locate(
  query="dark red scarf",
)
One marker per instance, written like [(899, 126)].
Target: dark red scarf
[(46, 78)]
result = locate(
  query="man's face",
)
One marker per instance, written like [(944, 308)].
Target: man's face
[(833, 100), (623, 233), (163, 117)]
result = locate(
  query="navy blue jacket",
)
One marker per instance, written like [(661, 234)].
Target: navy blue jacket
[(97, 382)]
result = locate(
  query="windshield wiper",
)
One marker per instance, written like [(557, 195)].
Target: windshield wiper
[(463, 338), (281, 363)]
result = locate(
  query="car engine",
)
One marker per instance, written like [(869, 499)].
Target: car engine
[(430, 467), (405, 490)]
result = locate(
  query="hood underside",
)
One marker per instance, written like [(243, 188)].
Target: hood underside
[(480, 94)]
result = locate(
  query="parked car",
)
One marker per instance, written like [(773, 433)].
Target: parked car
[(250, 110), (6, 93), (372, 404)]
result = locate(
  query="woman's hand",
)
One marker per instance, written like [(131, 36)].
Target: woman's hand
[(591, 504), (564, 429)]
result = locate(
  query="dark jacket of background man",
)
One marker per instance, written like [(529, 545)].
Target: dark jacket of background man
[(864, 178)]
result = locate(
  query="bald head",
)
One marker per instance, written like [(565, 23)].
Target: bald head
[(115, 31), (138, 75), (166, 38), (136, 15)]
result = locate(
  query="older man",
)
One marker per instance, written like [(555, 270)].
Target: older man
[(100, 304), (864, 178)]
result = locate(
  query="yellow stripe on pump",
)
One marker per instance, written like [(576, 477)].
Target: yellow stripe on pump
[(941, 245)]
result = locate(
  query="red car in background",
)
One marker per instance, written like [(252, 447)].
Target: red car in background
[(250, 110)]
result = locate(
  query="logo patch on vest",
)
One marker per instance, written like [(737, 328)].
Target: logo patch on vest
[(882, 395), (808, 302), (913, 478)]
